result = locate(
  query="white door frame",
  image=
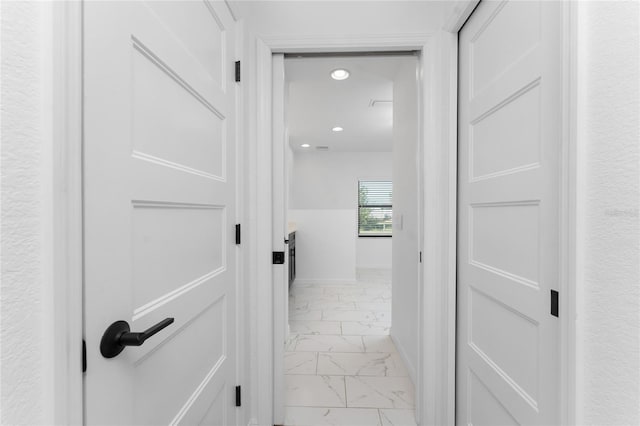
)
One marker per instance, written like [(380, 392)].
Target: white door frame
[(435, 390), (63, 229), (428, 390)]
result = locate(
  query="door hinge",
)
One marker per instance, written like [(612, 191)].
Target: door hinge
[(420, 257), (237, 71), (237, 233), (554, 303), (238, 396), (84, 356), (278, 258)]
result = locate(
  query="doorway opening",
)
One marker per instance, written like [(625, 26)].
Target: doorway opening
[(351, 206)]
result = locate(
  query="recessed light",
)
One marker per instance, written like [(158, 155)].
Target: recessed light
[(337, 129), (340, 74), (305, 145)]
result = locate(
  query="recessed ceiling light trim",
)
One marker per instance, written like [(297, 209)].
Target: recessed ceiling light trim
[(340, 74)]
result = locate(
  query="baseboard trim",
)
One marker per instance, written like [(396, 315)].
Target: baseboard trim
[(403, 354)]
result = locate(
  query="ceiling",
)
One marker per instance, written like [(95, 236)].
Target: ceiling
[(317, 103)]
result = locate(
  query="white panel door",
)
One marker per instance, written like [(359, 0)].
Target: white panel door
[(508, 215), (159, 107)]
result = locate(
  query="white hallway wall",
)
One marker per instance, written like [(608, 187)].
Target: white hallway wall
[(323, 203), (609, 134), (26, 395), (405, 289)]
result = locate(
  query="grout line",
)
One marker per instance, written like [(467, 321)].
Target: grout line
[(317, 361), (379, 417), (346, 404)]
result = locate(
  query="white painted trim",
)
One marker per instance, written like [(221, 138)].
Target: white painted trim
[(405, 359), (349, 43), (449, 62), (462, 9), (436, 365), (66, 327), (230, 9), (263, 222), (571, 260), (449, 42), (278, 229), (429, 389), (242, 310)]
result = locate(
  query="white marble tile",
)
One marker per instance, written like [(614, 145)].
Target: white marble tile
[(321, 343), (356, 315), (381, 292), (371, 298), (394, 417), (353, 315), (318, 297), (305, 315), (333, 284), (361, 364), (315, 327), (301, 284), (378, 344), (314, 391), (300, 362), (331, 305), (301, 305), (291, 342), (365, 328), (299, 291), (311, 416), (338, 291), (379, 392), (374, 306)]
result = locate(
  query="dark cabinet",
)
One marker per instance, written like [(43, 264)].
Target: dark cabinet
[(292, 257)]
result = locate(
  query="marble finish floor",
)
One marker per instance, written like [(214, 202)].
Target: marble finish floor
[(341, 366)]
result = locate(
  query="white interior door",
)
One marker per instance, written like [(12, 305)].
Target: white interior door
[(159, 188), (510, 118)]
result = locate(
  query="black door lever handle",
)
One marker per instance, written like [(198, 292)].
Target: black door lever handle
[(118, 336)]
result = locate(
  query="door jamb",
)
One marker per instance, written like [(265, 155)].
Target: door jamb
[(63, 228)]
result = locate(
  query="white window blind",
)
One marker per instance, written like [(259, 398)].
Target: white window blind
[(375, 208)]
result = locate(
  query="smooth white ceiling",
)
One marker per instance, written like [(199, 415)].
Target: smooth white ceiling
[(317, 103)]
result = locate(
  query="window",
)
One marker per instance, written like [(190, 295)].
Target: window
[(374, 208)]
